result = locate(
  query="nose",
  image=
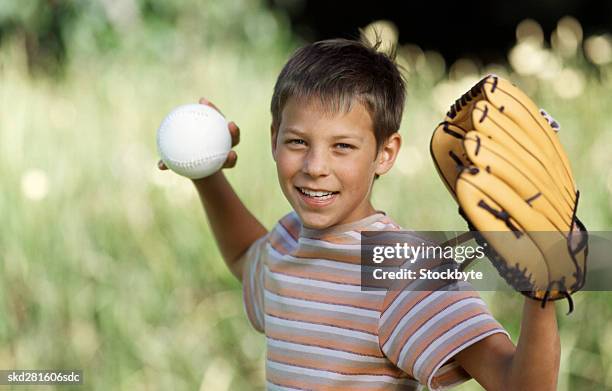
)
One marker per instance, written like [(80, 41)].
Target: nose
[(316, 163)]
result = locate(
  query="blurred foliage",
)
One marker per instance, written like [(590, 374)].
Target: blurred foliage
[(108, 265), (55, 30)]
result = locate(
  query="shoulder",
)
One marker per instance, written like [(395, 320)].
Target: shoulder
[(290, 224), (284, 236), (386, 223)]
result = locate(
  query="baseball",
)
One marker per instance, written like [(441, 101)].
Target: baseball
[(193, 140)]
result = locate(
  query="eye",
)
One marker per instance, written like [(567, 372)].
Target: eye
[(344, 146), (295, 141)]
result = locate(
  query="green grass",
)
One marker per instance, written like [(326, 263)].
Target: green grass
[(115, 270)]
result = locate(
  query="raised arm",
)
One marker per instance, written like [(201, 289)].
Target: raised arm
[(233, 225), (532, 365)]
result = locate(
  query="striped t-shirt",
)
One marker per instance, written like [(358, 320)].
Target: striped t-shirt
[(302, 289)]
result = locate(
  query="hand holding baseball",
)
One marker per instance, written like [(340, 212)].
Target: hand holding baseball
[(167, 141)]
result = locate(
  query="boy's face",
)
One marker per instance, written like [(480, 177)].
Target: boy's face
[(326, 162)]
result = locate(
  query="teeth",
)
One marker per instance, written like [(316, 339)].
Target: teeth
[(320, 194)]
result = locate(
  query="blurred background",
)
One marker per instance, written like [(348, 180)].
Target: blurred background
[(108, 265)]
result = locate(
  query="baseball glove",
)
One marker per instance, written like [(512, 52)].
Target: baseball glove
[(500, 158)]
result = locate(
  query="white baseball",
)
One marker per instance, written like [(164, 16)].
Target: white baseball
[(193, 140)]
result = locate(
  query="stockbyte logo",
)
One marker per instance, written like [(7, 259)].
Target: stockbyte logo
[(425, 274)]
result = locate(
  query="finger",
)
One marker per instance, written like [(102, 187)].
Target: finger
[(235, 132), (230, 162), (161, 165), (204, 101)]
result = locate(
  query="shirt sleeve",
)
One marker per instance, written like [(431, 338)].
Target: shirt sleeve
[(421, 331), (253, 283)]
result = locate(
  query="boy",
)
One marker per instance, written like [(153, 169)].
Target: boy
[(336, 110)]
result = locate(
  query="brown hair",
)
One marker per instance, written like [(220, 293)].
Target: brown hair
[(338, 71)]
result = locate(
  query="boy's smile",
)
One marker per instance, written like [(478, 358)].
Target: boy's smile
[(326, 163)]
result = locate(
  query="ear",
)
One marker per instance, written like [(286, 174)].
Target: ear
[(273, 136), (387, 154)]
